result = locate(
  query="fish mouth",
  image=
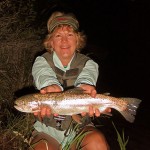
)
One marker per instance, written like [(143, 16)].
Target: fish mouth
[(20, 109), (25, 110)]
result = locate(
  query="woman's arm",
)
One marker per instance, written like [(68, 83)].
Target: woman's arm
[(43, 74), (89, 74)]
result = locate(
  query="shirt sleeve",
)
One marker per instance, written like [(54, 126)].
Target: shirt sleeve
[(43, 74), (89, 74)]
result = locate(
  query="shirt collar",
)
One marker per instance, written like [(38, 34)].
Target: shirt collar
[(58, 63)]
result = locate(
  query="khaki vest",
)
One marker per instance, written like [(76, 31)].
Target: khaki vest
[(67, 80)]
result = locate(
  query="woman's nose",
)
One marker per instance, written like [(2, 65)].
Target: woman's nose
[(64, 38)]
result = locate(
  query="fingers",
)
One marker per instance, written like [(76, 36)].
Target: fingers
[(51, 88), (36, 113), (92, 112), (89, 89), (108, 110), (44, 111), (56, 115), (83, 114), (93, 93), (43, 91), (97, 112), (48, 111)]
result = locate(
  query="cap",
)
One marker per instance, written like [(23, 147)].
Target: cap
[(63, 20)]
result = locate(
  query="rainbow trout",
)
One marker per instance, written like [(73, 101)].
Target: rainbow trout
[(71, 102)]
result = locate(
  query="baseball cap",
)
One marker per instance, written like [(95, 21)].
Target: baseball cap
[(63, 20)]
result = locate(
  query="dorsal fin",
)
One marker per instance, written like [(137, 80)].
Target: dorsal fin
[(76, 90)]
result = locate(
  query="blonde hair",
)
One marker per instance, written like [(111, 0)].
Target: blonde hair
[(81, 37)]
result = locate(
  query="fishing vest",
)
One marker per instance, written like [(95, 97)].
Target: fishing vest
[(67, 80)]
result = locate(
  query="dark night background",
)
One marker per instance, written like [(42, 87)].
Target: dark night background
[(118, 40)]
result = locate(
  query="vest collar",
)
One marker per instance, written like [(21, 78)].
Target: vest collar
[(58, 63)]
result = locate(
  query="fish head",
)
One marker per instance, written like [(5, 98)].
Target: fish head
[(25, 105)]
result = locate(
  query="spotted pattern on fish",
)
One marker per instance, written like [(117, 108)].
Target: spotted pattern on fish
[(71, 103)]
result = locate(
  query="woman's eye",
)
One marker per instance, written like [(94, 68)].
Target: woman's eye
[(70, 34), (57, 35)]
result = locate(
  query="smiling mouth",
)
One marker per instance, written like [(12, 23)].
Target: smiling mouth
[(65, 48)]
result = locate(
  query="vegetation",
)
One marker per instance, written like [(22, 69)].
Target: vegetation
[(19, 43), (121, 139), (16, 133)]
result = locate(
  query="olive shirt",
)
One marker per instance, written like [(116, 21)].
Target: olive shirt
[(44, 75)]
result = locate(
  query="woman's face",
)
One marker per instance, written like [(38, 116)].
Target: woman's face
[(64, 42)]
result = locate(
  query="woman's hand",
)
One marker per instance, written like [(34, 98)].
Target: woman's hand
[(50, 89), (46, 111), (89, 89)]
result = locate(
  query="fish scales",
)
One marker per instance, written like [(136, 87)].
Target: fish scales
[(70, 103)]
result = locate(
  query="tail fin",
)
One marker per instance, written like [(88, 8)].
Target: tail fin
[(130, 112)]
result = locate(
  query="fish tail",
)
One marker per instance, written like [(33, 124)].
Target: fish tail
[(130, 112)]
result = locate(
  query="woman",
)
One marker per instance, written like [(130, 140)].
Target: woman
[(63, 67)]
